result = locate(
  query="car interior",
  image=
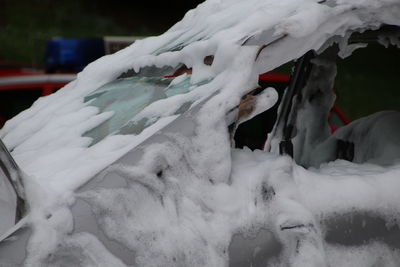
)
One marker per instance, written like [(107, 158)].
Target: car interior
[(317, 78)]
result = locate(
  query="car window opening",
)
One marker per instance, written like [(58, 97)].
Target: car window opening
[(183, 69), (368, 92), (314, 129), (254, 132), (208, 60)]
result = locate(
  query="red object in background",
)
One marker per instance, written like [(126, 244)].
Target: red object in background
[(48, 83), (266, 77), (342, 116), (18, 84), (7, 72), (8, 69), (16, 76), (339, 111), (274, 77)]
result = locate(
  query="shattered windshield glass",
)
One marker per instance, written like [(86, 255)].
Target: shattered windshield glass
[(127, 97)]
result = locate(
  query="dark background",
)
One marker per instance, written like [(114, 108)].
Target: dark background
[(25, 26)]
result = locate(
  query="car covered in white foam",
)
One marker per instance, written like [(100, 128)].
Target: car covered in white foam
[(134, 163)]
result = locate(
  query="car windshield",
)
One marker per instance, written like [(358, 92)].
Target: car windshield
[(127, 98)]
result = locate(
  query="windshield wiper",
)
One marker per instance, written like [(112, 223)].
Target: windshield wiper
[(292, 97)]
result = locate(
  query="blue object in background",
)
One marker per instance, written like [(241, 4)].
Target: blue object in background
[(72, 54)]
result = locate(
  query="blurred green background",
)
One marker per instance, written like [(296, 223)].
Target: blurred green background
[(369, 81), (25, 26)]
